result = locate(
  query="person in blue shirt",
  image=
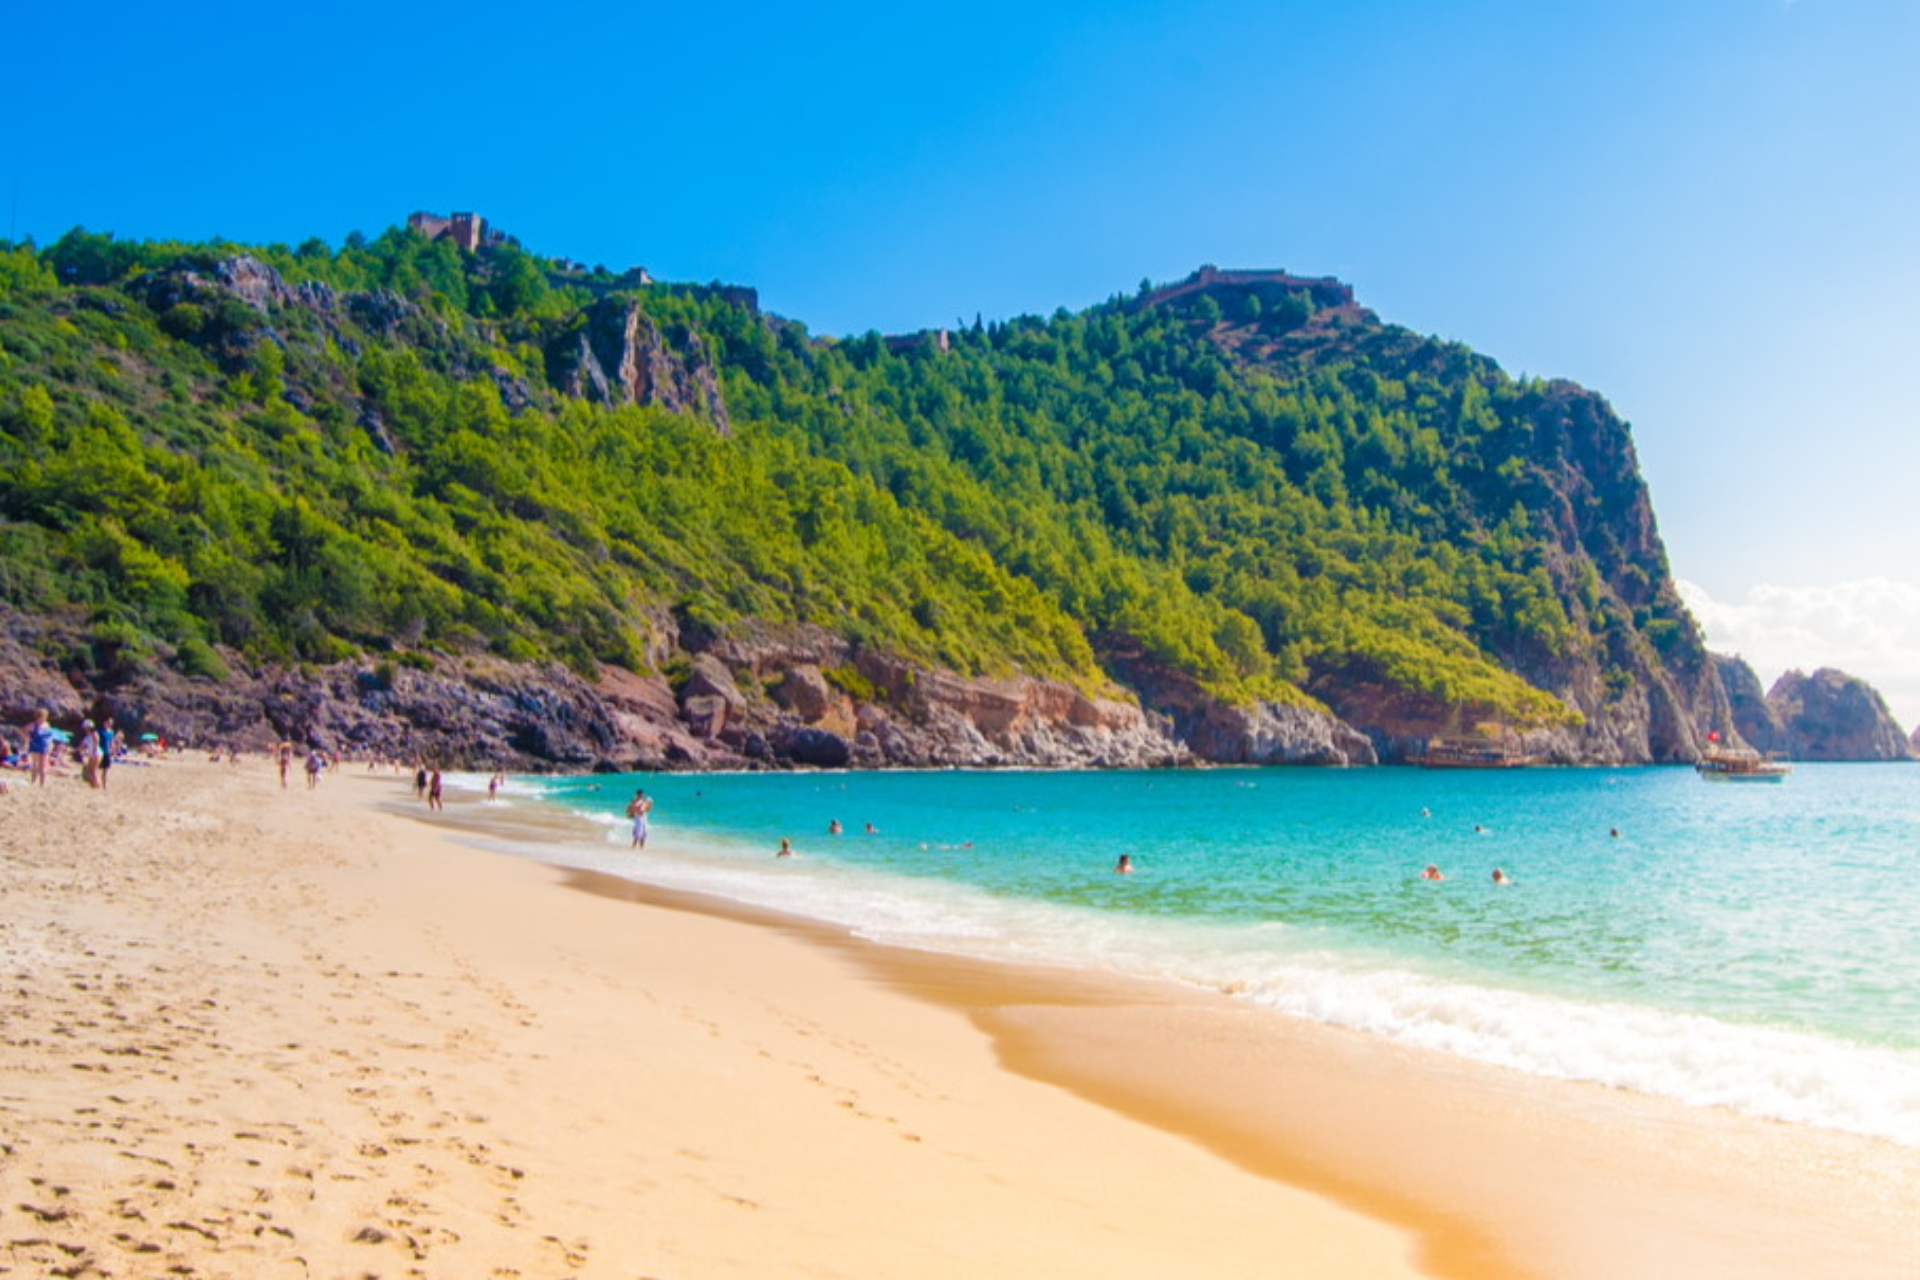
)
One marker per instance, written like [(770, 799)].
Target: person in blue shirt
[(108, 740), (39, 743)]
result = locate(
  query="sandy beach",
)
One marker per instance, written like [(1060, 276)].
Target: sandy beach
[(250, 1032)]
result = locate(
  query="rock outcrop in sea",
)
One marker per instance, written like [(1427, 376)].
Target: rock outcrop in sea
[(1828, 715)]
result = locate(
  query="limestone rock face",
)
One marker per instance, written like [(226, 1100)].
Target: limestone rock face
[(1830, 715), (1276, 733), (1754, 717), (1264, 733), (617, 355)]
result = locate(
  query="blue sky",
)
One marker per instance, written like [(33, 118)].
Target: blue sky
[(1707, 210)]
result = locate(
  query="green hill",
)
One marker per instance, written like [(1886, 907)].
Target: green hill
[(403, 455)]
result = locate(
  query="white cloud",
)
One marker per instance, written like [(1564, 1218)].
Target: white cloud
[(1869, 628)]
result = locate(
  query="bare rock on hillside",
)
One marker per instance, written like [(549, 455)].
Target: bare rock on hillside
[(1754, 718), (1219, 733), (615, 354)]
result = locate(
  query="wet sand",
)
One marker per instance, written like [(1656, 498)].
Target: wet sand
[(253, 1033)]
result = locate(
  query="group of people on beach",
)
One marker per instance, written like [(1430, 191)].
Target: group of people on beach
[(317, 762), (43, 749)]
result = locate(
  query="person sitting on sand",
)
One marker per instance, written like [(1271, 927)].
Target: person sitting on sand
[(1501, 877), (786, 849), (1431, 872), (1124, 867)]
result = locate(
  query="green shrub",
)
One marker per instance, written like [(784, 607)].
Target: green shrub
[(198, 658)]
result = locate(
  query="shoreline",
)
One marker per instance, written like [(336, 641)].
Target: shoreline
[(395, 1047)]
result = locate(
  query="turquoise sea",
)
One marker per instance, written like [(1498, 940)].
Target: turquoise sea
[(1752, 946)]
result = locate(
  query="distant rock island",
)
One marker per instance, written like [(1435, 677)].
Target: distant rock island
[(1828, 715)]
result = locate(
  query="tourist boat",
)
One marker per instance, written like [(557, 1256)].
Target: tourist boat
[(1473, 753), (1730, 764)]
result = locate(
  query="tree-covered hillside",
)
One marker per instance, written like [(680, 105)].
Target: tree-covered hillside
[(220, 453)]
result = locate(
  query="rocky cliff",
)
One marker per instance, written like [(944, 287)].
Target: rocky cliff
[(1632, 663), (1754, 720), (771, 698), (614, 354)]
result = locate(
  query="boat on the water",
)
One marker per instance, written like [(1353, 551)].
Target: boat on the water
[(1733, 764), (1473, 753)]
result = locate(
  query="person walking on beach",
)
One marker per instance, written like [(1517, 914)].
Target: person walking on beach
[(433, 792), (108, 740), (285, 756), (314, 765), (39, 744), (89, 748), (638, 808)]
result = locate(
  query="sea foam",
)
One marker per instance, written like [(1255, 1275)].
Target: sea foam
[(1760, 1071)]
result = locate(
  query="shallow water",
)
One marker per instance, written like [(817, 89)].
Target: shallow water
[(1756, 946)]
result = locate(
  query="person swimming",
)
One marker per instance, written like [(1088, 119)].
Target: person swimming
[(1124, 867), (786, 849), (1501, 877), (1431, 872)]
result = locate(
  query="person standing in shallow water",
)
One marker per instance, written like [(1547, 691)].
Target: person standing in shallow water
[(638, 808)]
